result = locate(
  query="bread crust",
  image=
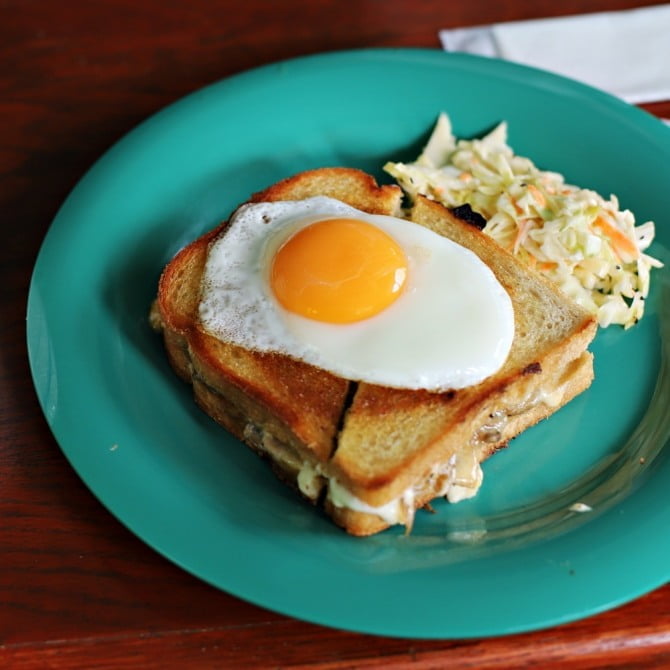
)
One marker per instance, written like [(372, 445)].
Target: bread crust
[(374, 440)]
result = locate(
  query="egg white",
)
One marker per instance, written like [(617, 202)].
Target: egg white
[(451, 327)]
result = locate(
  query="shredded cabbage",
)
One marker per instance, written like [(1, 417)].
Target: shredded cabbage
[(586, 244)]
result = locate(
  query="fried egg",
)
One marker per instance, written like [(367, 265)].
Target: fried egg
[(370, 298)]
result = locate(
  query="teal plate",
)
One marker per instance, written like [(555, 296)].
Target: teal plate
[(516, 558)]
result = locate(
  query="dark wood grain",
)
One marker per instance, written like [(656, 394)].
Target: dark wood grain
[(77, 590)]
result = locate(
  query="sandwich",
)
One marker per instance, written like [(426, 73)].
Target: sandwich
[(369, 410)]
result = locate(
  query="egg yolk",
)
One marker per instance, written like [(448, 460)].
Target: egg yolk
[(338, 271)]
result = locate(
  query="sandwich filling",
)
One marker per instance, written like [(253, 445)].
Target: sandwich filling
[(458, 478)]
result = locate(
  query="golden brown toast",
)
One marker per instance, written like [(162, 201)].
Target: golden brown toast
[(374, 454)]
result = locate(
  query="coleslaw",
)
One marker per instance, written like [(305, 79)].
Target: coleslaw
[(591, 248)]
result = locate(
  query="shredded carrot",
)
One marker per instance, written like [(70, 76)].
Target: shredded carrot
[(623, 245), (524, 226), (543, 265), (465, 176), (538, 196)]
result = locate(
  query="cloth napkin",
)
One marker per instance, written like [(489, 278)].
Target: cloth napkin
[(626, 53)]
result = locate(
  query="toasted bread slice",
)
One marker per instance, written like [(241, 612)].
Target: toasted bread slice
[(546, 367), (376, 454), (282, 408)]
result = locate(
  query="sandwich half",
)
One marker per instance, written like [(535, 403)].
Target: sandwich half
[(372, 455)]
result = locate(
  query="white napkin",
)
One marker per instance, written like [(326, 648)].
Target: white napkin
[(626, 53)]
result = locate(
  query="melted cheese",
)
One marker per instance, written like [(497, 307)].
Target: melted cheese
[(459, 478)]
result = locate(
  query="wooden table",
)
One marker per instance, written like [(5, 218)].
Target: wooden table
[(77, 590)]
